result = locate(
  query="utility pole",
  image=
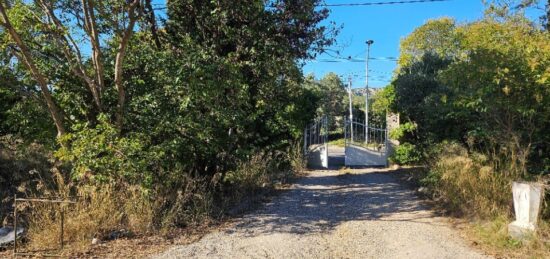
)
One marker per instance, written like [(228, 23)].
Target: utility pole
[(369, 42), (350, 108)]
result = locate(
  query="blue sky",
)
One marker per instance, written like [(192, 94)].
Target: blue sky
[(386, 25)]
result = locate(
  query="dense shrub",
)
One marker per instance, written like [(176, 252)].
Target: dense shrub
[(24, 168), (405, 154), (100, 155), (182, 119)]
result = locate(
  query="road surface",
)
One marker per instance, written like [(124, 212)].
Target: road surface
[(328, 214)]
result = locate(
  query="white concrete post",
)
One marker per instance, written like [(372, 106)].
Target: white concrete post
[(527, 202)]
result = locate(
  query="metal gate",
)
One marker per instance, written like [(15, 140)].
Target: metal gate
[(316, 143), (365, 145)]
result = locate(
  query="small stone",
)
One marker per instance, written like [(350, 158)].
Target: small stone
[(519, 232), (95, 241)]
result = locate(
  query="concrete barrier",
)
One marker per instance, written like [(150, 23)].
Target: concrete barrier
[(527, 203), (317, 156), (360, 156)]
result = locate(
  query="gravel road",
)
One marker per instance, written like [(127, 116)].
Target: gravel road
[(327, 214)]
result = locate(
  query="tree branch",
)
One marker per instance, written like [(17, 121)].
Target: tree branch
[(88, 6), (152, 23), (67, 43), (27, 59), (133, 14)]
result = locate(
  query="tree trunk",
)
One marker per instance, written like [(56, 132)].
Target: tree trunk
[(89, 15), (152, 22), (133, 16)]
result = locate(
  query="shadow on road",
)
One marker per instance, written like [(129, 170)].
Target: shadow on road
[(336, 157), (320, 202)]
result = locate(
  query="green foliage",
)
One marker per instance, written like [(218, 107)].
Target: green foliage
[(496, 70), (333, 92), (405, 154), (437, 37), (99, 155), (215, 99), (476, 100), (506, 76), (21, 111), (407, 128), (383, 101)]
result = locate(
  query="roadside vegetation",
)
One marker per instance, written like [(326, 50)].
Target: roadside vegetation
[(474, 101), (150, 122), (153, 121)]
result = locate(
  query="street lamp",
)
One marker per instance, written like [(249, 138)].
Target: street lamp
[(369, 42)]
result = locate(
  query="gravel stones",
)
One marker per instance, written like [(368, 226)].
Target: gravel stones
[(362, 214)]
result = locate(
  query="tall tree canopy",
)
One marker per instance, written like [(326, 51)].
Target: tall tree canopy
[(218, 82), (490, 92)]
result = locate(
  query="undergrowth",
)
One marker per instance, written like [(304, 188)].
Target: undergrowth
[(471, 185), (468, 184), (114, 210), (493, 236)]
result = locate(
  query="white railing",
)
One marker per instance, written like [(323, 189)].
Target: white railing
[(316, 133), (369, 137)]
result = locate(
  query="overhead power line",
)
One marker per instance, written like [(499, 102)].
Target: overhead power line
[(383, 3), (353, 60), (163, 6)]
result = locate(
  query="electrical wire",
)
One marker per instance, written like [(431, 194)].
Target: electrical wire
[(353, 60), (383, 3), (163, 6)]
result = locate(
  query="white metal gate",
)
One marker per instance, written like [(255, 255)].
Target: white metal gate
[(365, 145), (316, 143)]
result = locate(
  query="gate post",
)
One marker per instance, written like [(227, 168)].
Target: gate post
[(386, 147), (305, 140), (345, 131)]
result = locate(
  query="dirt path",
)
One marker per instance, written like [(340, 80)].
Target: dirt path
[(366, 214)]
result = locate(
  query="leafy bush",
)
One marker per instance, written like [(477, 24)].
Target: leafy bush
[(405, 154), (404, 129), (99, 155)]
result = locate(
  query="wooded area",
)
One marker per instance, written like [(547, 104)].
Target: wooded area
[(474, 100), (157, 118), (168, 120)]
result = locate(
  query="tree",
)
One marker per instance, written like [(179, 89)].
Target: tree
[(24, 55), (333, 92), (258, 45), (436, 37), (219, 84), (422, 100), (504, 79), (491, 94), (507, 9), (64, 27)]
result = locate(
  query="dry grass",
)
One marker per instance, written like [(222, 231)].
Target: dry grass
[(468, 185), (120, 211), (107, 213), (190, 204), (492, 236)]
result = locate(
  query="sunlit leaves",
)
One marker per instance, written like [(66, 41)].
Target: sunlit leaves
[(495, 83)]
